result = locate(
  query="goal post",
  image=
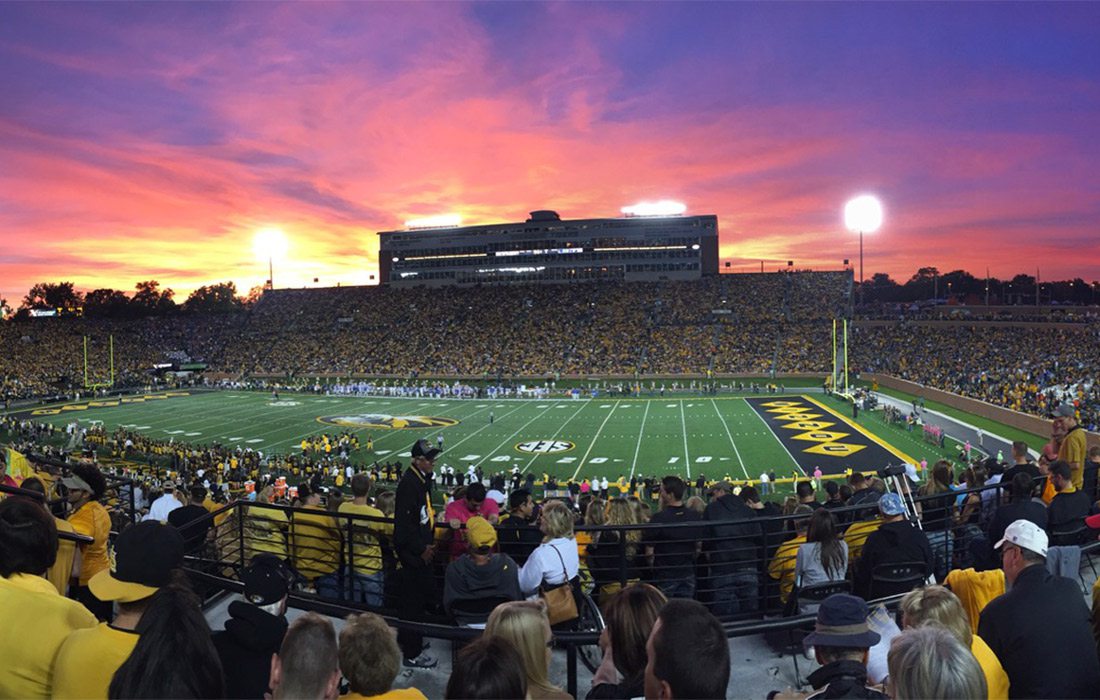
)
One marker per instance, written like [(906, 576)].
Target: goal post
[(93, 382), (839, 376)]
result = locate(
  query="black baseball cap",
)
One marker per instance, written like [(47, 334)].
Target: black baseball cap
[(142, 561), (266, 580), (424, 449)]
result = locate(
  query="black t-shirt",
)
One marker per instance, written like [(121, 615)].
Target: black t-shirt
[(673, 547), (194, 533), (1028, 468)]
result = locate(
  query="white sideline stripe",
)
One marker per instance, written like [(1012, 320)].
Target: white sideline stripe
[(730, 436), (638, 447), (594, 438), (683, 426)]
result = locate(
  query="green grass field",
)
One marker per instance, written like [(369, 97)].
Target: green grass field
[(720, 436)]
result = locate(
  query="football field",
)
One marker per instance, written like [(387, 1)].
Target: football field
[(716, 436)]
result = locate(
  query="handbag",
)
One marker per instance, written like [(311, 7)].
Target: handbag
[(561, 606)]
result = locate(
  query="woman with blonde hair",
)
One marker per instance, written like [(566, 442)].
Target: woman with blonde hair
[(524, 625), (595, 515), (611, 550), (936, 605), (555, 562)]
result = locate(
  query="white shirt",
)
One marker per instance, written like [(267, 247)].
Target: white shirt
[(162, 507), (544, 565)]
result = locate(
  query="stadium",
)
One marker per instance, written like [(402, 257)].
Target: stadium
[(578, 389), (547, 351)]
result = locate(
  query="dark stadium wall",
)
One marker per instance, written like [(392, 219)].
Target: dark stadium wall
[(1015, 419)]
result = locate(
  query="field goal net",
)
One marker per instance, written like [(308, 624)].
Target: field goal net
[(99, 363)]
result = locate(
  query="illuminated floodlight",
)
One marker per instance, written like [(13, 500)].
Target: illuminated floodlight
[(270, 244), (439, 221), (863, 214), (665, 207)]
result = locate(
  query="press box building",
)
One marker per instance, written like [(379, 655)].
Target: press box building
[(546, 248)]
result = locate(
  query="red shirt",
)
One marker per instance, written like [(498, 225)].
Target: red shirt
[(457, 510)]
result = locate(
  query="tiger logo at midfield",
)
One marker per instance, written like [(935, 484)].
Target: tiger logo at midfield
[(382, 421)]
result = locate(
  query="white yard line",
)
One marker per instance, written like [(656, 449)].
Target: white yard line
[(730, 436), (594, 437), (556, 434), (683, 425), (510, 437), (769, 429), (638, 447)]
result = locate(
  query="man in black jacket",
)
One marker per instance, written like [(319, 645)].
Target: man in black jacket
[(255, 628), (1068, 508), (414, 544), (1040, 628), (841, 640), (895, 541), (732, 551), (519, 535)]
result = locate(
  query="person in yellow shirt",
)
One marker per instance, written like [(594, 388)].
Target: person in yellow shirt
[(90, 518), (370, 660), (265, 528), (364, 572), (62, 569), (856, 536), (34, 618), (1074, 445), (316, 546), (782, 564), (936, 605), (975, 589), (145, 558)]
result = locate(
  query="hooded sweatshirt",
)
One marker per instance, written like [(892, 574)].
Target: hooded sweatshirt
[(891, 543), (250, 637), (498, 579)]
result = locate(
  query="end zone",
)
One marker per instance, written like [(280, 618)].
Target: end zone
[(817, 436)]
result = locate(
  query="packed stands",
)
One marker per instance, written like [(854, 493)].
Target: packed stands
[(1026, 360)]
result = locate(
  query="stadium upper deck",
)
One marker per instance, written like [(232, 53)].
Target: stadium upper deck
[(544, 248)]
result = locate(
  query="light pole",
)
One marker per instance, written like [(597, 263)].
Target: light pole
[(862, 214), (270, 243)]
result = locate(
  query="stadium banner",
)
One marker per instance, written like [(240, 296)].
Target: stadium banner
[(817, 436)]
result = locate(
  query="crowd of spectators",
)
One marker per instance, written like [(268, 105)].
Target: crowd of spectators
[(745, 323), (521, 569)]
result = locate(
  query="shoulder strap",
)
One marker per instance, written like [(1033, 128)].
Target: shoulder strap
[(564, 571)]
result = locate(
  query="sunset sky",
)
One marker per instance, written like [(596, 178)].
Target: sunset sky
[(144, 141)]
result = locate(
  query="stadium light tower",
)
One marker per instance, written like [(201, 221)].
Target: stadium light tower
[(862, 214), (270, 243)]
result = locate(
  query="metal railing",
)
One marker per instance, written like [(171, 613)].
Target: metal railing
[(327, 549)]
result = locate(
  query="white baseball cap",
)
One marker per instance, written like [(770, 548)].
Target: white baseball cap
[(1026, 535)]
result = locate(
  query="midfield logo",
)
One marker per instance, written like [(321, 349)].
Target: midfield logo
[(803, 419), (386, 422), (545, 447)]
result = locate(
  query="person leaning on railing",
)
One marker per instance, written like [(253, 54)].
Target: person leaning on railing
[(317, 544), (364, 572)]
